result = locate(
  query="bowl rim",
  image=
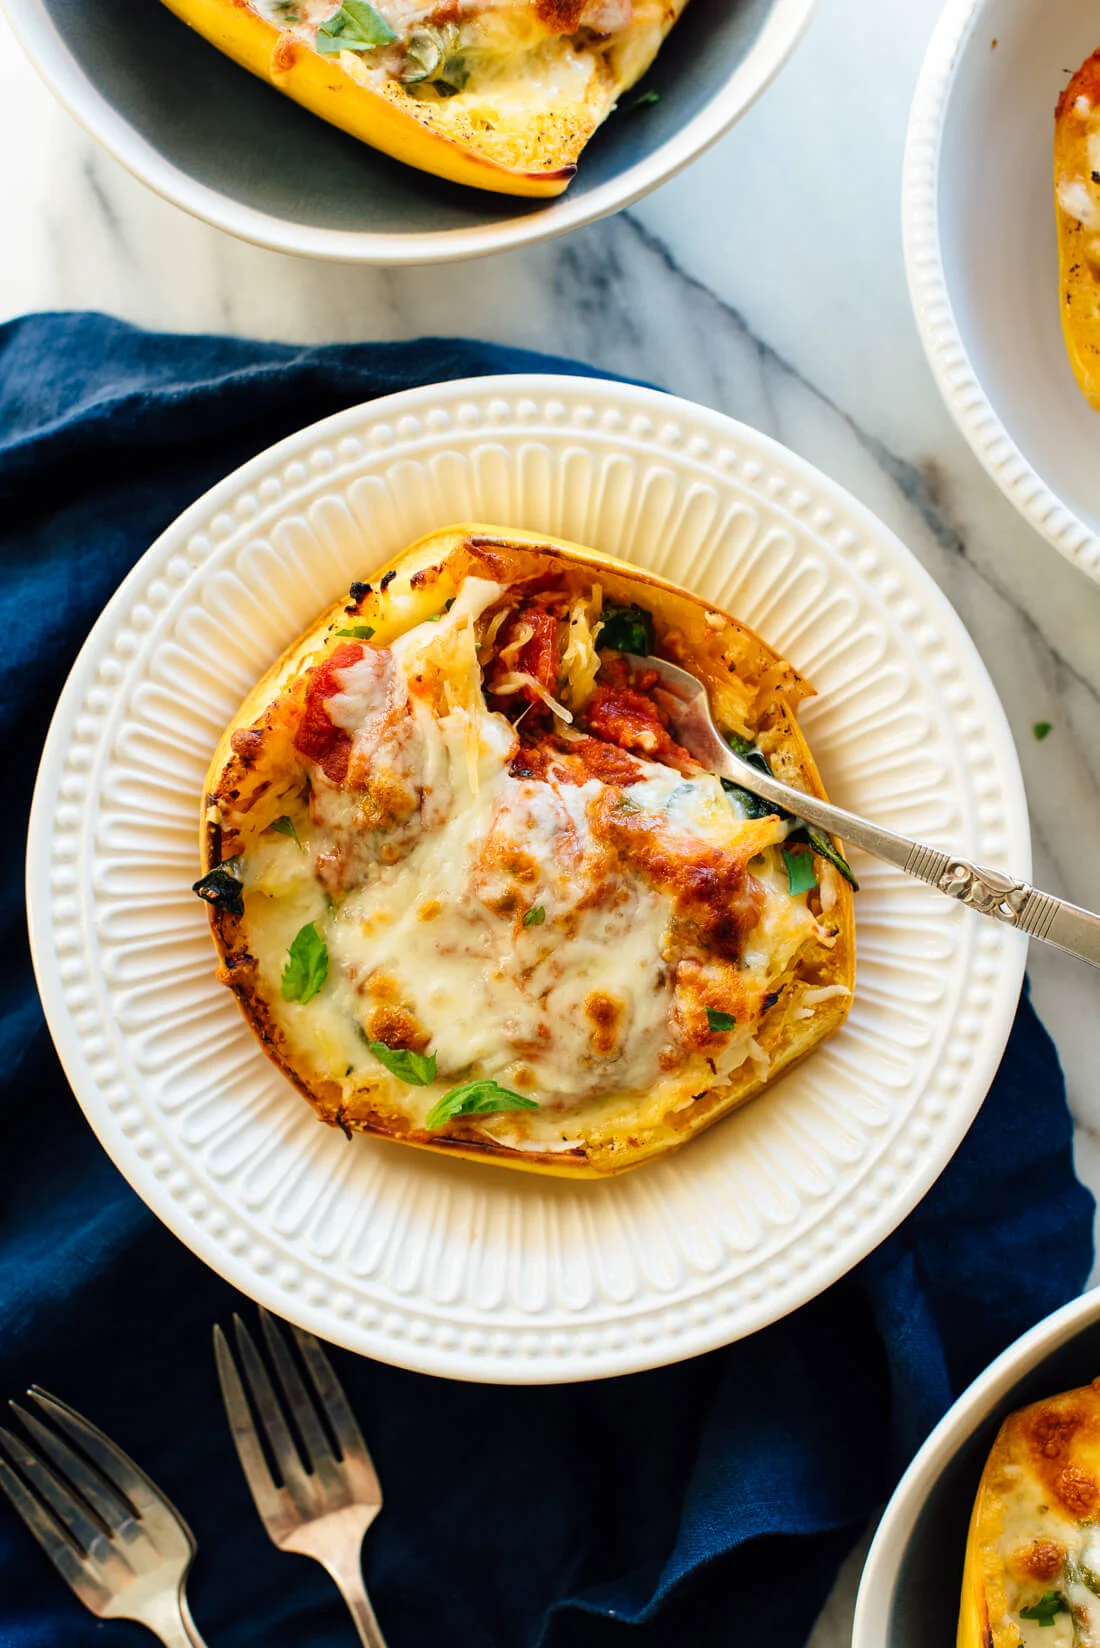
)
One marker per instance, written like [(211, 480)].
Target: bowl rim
[(947, 354), (49, 55), (878, 1581)]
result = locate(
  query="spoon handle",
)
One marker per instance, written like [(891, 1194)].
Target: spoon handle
[(990, 892)]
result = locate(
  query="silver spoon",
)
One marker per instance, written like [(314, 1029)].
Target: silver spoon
[(989, 892)]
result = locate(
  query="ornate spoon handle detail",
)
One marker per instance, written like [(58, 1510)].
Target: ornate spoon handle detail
[(990, 892), (1037, 914)]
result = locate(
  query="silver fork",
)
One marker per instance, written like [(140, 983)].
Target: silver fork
[(990, 892), (328, 1499), (107, 1529)]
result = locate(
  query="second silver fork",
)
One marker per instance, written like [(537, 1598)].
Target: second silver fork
[(107, 1529), (327, 1500)]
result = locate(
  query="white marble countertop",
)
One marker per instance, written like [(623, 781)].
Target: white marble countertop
[(766, 281)]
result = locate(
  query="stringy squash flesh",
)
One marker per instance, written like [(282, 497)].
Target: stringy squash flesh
[(453, 847), (1077, 199), (499, 94)]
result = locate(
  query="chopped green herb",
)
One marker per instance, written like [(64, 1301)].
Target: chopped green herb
[(801, 875), (627, 629), (535, 916), (306, 965), (1040, 729), (418, 1069), (285, 826), (222, 888), (432, 57), (475, 1098), (1048, 1607), (436, 616), (822, 845), (358, 632), (753, 806), (355, 27), (720, 1021), (644, 100)]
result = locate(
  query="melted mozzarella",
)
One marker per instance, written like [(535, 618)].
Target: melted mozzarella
[(1076, 200), (1029, 1515), (425, 912), (506, 998)]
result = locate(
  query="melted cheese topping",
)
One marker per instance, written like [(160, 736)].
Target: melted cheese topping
[(419, 869), (511, 52), (1039, 1525)]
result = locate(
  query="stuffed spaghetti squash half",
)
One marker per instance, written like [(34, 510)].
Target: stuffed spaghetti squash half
[(1077, 199), (501, 94), (472, 895), (1032, 1570)]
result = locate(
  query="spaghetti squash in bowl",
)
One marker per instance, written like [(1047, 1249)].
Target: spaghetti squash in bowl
[(472, 895), (500, 94), (1032, 1572)]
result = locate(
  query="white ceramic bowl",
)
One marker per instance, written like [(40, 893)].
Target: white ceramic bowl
[(219, 142), (909, 1593), (981, 253), (452, 1267)]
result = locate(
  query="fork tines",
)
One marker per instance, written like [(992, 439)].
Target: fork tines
[(91, 1509), (316, 1476)]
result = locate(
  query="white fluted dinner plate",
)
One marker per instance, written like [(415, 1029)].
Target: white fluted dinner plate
[(446, 1266)]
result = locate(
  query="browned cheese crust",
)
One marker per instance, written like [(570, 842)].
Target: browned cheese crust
[(256, 778)]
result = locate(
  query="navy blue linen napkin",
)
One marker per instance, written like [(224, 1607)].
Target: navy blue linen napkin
[(709, 1502)]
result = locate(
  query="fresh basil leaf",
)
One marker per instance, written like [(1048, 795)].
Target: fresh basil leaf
[(1046, 1610), (475, 1098), (418, 1069), (720, 1021), (1041, 729), (285, 826), (370, 22), (822, 845), (357, 632), (355, 27), (306, 965), (432, 58), (627, 629), (221, 888), (535, 916), (801, 875)]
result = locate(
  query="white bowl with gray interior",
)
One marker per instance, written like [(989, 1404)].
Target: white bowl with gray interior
[(909, 1592), (221, 143)]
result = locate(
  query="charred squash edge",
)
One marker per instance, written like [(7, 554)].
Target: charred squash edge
[(785, 734)]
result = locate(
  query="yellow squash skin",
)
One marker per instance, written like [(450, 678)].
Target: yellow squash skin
[(395, 122), (1077, 202), (753, 691), (1037, 1503)]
